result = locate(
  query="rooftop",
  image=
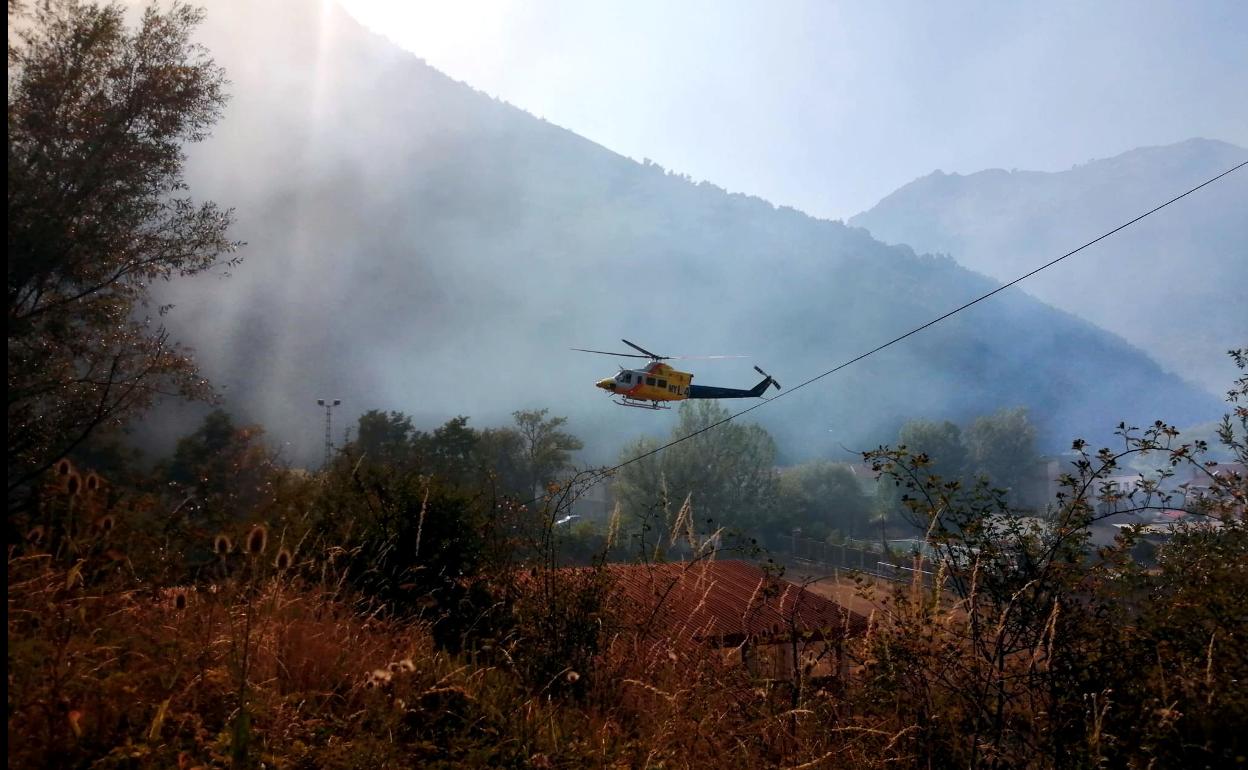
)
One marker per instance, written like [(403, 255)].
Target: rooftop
[(723, 603)]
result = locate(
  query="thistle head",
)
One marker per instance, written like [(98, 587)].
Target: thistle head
[(221, 545), (380, 677), (257, 540)]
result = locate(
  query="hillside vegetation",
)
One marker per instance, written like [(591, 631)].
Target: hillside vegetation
[(416, 245)]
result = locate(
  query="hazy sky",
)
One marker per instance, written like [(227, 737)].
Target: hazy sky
[(829, 106)]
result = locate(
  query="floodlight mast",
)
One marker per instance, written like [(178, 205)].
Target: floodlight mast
[(329, 404)]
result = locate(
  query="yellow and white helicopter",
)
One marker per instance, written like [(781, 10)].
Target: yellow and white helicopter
[(652, 386)]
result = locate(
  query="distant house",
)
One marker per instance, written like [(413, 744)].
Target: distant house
[(768, 624)]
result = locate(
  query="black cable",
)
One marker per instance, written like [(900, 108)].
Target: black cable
[(602, 474)]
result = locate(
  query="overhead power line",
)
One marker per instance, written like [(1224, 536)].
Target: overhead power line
[(602, 474)]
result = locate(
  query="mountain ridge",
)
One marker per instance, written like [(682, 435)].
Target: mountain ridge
[(1002, 223), (419, 245)]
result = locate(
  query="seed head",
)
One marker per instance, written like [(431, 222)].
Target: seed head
[(179, 599), (64, 467), (257, 539), (93, 482), (540, 762), (105, 523), (284, 559), (572, 677), (73, 483), (36, 535), (406, 665), (221, 544)]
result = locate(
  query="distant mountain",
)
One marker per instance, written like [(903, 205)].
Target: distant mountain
[(1174, 285), (417, 245)]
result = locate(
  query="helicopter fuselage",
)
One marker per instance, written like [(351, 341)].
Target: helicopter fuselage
[(656, 382)]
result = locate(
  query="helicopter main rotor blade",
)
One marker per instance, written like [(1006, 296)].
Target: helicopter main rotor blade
[(609, 353), (704, 358), (643, 350)]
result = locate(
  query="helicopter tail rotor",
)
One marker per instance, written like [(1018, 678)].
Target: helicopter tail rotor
[(768, 376)]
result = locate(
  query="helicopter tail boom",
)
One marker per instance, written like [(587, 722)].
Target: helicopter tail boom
[(709, 391)]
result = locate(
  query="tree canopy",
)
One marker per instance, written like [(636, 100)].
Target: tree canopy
[(730, 471), (1002, 447), (98, 117), (822, 497)]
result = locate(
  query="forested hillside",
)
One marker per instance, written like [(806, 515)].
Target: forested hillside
[(414, 244), (1155, 284)]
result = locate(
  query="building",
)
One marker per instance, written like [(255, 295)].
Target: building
[(774, 627)]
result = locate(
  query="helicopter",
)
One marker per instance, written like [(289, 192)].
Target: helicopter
[(656, 384)]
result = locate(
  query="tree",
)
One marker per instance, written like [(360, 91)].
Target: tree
[(99, 115), (547, 450), (225, 469), (941, 442), (500, 454), (1002, 447), (820, 496), (729, 471), (937, 448), (383, 438), (451, 449)]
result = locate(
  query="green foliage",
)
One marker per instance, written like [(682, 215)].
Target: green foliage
[(507, 461), (1002, 447), (1061, 658), (414, 542), (501, 452), (822, 498), (224, 469), (98, 118), (384, 438), (998, 449), (941, 442), (729, 471), (547, 449)]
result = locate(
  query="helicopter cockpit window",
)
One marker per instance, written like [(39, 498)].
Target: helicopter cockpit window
[(625, 377), (649, 380)]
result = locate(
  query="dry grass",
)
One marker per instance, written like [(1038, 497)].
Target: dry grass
[(107, 674)]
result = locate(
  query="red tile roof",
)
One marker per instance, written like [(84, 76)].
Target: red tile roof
[(724, 603)]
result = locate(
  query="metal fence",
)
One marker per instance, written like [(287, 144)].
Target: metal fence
[(818, 556)]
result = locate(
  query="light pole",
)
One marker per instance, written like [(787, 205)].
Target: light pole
[(329, 405)]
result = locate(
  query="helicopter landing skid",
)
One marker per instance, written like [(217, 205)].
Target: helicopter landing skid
[(624, 401)]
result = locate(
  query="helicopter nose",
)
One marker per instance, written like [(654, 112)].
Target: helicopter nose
[(607, 384)]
